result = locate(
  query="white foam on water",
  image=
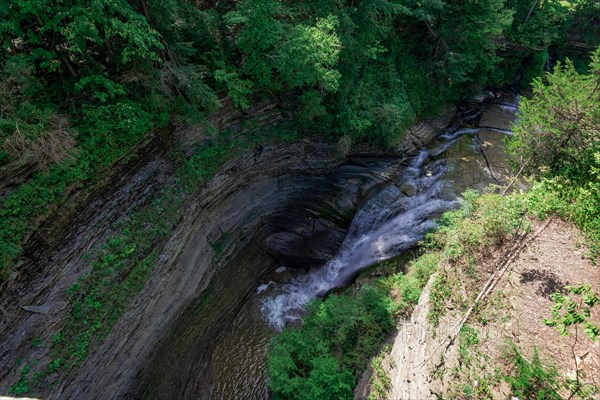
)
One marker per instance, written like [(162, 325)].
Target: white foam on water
[(504, 131), (458, 133), (263, 287), (388, 224), (511, 108)]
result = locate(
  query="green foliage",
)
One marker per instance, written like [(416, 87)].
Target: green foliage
[(80, 59), (570, 310), (318, 359), (557, 132), (185, 91), (102, 88), (441, 291), (582, 22), (537, 27), (22, 386), (308, 57), (106, 133), (539, 24), (78, 37), (381, 382), (482, 222), (465, 236), (468, 33), (205, 163), (468, 337), (473, 376), (238, 89), (531, 380), (406, 288), (557, 139), (259, 37), (24, 124), (20, 210), (578, 203), (534, 68)]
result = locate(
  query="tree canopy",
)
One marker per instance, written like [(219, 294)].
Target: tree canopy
[(558, 127), (82, 82)]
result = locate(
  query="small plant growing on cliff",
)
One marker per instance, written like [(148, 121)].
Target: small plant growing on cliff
[(22, 385), (574, 310), (532, 380)]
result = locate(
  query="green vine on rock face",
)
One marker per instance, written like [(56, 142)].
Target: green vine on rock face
[(568, 310)]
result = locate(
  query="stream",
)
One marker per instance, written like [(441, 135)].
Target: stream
[(389, 222)]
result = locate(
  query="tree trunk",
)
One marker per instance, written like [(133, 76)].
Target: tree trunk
[(531, 10)]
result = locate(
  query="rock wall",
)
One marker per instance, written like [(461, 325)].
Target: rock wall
[(288, 204), (277, 208)]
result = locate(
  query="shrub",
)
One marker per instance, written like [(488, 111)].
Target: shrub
[(320, 358), (481, 223)]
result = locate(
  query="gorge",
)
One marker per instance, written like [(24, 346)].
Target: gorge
[(199, 324)]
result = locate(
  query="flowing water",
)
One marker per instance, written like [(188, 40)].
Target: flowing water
[(389, 222)]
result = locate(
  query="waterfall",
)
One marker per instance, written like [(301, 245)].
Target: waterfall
[(385, 226), (389, 223)]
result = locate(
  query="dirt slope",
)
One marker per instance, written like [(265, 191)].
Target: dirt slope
[(424, 367)]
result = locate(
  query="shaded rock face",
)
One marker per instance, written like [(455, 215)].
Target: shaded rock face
[(291, 206), (54, 256), (305, 225), (422, 133), (309, 226)]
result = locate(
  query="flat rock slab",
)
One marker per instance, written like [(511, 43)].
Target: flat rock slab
[(37, 309), (17, 398)]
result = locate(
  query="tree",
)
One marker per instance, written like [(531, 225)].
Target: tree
[(78, 37), (469, 32), (259, 35), (558, 129), (309, 56)]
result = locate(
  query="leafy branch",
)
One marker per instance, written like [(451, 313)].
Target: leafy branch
[(574, 310), (568, 311)]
